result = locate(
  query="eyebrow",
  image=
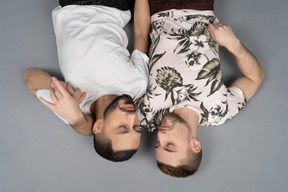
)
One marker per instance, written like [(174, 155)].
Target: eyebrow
[(127, 130)]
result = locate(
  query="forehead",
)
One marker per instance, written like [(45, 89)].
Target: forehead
[(125, 142), (168, 158)]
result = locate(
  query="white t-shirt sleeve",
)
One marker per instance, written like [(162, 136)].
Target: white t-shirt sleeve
[(140, 60), (45, 94)]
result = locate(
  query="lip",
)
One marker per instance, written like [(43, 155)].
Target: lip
[(129, 107)]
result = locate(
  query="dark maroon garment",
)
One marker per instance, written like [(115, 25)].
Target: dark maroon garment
[(162, 5), (119, 4)]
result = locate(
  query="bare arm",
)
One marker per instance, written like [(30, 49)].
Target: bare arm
[(247, 63), (36, 79), (141, 25), (66, 105)]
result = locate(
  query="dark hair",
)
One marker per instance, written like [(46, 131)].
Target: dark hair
[(182, 170), (114, 104), (103, 147)]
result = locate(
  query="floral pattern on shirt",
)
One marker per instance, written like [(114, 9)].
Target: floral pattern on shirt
[(169, 86)]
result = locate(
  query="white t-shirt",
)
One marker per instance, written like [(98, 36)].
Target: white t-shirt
[(93, 55)]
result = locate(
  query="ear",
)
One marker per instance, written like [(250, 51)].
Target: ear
[(98, 126), (195, 145)]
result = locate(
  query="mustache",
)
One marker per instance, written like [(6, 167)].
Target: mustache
[(127, 111)]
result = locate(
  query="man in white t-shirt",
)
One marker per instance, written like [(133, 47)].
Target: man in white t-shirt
[(93, 57), (186, 87)]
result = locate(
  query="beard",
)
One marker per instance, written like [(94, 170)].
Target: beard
[(115, 103)]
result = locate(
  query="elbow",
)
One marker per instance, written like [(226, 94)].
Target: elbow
[(26, 79), (258, 77), (28, 82), (261, 76)]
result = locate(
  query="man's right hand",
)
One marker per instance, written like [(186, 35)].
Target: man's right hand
[(77, 93), (224, 36), (66, 101)]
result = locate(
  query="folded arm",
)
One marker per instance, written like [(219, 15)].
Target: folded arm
[(66, 104), (141, 25), (252, 73), (66, 99)]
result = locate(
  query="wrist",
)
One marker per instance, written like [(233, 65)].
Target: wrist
[(77, 119), (236, 47)]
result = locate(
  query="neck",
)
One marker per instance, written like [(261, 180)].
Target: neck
[(191, 118), (98, 107)]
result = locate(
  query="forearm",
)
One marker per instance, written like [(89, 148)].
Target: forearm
[(36, 79), (247, 63), (141, 25), (248, 66)]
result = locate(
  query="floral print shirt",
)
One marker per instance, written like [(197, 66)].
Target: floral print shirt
[(184, 71)]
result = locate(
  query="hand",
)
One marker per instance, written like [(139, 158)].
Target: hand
[(53, 86), (66, 101), (224, 36), (77, 93)]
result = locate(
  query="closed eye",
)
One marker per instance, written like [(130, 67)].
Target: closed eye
[(122, 129), (170, 147), (137, 128), (157, 145)]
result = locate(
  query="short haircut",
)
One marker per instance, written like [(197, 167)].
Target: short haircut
[(184, 170), (103, 147)]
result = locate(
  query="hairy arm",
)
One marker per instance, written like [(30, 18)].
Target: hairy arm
[(141, 25), (252, 73)]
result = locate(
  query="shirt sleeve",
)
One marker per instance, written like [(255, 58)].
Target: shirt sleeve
[(140, 60), (236, 100), (45, 94)]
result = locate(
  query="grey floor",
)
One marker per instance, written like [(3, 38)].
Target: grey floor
[(39, 153)]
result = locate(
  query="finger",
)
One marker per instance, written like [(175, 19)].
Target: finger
[(57, 94), (211, 29), (78, 92), (53, 97), (219, 25), (70, 89), (83, 95), (46, 103), (59, 86)]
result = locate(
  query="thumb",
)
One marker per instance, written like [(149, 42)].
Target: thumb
[(211, 29), (83, 95), (70, 89)]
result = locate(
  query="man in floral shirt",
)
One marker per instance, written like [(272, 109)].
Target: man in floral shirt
[(186, 86)]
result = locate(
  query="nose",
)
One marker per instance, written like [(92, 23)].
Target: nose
[(131, 118), (161, 135)]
